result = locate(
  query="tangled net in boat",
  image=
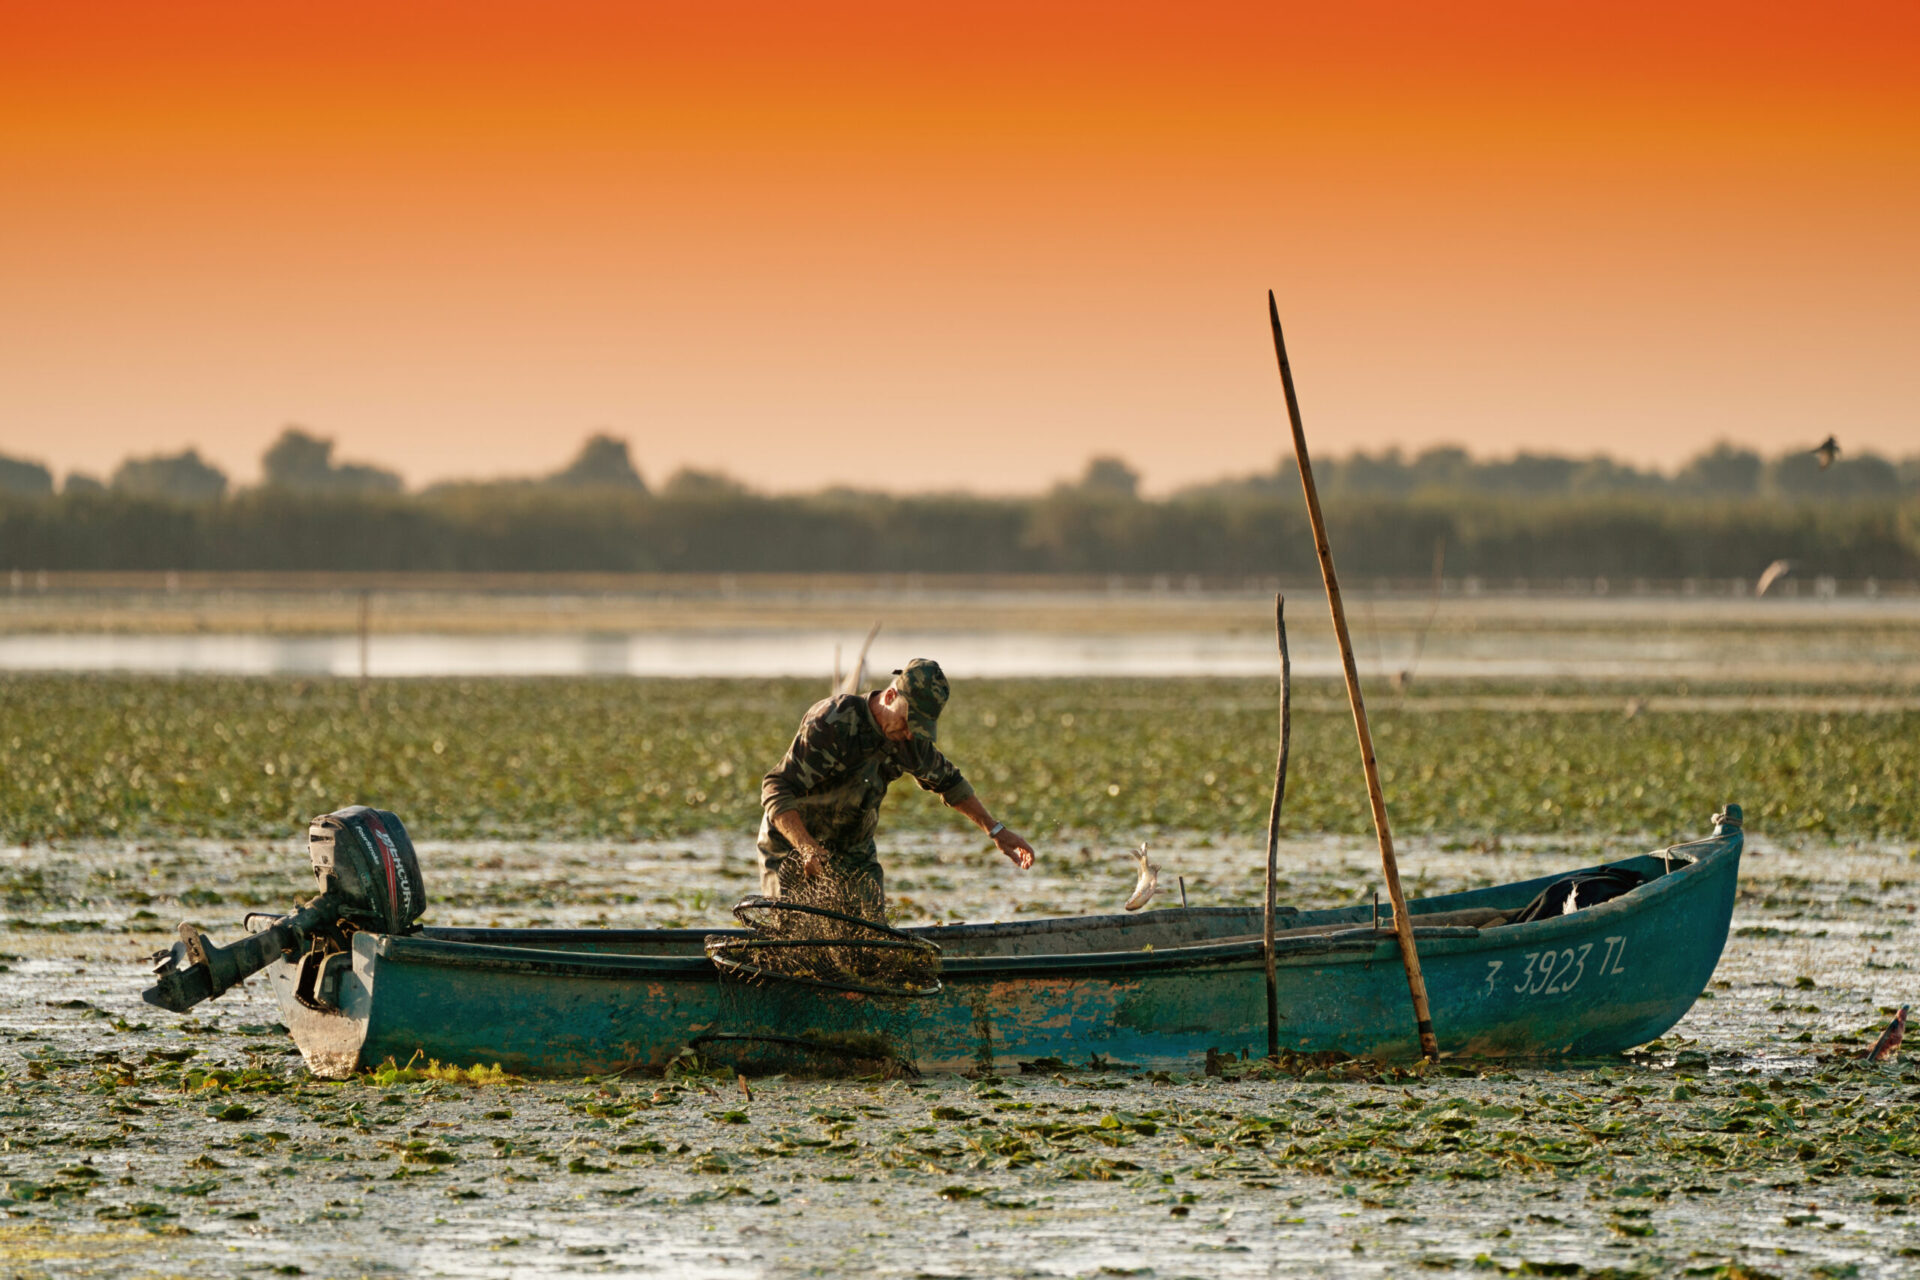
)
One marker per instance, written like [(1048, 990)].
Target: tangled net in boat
[(827, 934)]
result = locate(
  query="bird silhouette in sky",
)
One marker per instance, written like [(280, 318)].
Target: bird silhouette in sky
[(1827, 450)]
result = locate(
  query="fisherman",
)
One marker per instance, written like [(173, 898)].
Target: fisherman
[(822, 802)]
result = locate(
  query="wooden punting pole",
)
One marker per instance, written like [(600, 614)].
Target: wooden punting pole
[(1402, 924), (1273, 819)]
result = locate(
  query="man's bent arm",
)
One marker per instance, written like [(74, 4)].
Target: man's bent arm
[(1009, 841), (819, 750)]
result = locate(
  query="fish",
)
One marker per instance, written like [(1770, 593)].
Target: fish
[(852, 680), (1147, 885), (1889, 1042), (1772, 574)]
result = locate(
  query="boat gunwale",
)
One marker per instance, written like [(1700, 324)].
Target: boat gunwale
[(532, 938), (1359, 945)]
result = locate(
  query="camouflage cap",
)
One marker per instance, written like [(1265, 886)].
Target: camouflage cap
[(924, 685)]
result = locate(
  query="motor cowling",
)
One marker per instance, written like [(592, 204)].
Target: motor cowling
[(365, 862)]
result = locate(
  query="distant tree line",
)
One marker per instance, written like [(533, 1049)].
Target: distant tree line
[(1727, 513), (297, 461), (1722, 471), (300, 461)]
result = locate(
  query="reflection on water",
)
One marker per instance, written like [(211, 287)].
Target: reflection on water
[(735, 653), (1489, 654)]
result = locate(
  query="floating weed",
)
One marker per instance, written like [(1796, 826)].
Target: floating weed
[(114, 757), (241, 1080), (390, 1073), (1674, 1140), (28, 1243), (192, 1188), (730, 1192), (137, 1209)]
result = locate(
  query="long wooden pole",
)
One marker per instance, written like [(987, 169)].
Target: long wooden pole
[(1273, 818), (1402, 924)]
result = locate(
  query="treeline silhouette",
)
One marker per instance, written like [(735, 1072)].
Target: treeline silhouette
[(1727, 514), (299, 460), (1067, 532), (1722, 471)]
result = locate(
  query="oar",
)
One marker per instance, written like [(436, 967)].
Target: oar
[(1402, 924), (1273, 817)]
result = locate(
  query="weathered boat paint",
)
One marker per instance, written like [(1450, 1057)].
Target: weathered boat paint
[(1159, 990)]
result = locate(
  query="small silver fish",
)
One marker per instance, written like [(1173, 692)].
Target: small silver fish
[(1772, 574), (1889, 1042), (1147, 885)]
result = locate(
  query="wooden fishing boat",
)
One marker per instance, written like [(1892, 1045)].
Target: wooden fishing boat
[(1161, 989)]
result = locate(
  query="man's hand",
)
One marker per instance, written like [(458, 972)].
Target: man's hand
[(1006, 839), (1015, 846), (812, 858)]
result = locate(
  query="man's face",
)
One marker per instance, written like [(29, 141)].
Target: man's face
[(892, 716)]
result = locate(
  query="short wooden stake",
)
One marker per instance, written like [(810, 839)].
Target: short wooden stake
[(1273, 819)]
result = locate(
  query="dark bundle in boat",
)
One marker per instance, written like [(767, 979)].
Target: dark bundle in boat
[(828, 934)]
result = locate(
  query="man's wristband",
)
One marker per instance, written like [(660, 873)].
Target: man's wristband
[(996, 829)]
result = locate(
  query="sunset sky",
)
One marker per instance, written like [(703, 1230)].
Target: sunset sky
[(928, 246)]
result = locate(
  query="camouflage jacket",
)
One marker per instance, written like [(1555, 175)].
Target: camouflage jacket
[(837, 772)]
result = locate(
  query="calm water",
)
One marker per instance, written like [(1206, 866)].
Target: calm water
[(1880, 656), (1872, 642), (726, 653), (314, 1178)]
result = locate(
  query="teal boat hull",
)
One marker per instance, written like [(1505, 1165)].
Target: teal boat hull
[(1163, 989)]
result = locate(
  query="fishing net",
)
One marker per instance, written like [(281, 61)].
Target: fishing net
[(827, 933)]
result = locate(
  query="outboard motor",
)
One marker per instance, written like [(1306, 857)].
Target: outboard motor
[(369, 879)]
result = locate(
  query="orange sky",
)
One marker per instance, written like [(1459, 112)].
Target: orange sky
[(779, 239)]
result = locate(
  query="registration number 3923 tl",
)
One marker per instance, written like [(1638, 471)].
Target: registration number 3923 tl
[(1552, 973)]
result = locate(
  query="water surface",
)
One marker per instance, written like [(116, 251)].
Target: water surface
[(1741, 1148)]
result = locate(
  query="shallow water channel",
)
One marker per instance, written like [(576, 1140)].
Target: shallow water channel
[(792, 630), (1748, 1141)]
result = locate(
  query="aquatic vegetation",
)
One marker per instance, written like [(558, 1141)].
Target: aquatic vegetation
[(390, 1073), (1751, 1141), (87, 756)]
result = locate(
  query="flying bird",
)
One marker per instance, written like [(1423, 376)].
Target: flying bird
[(1772, 574), (1889, 1042), (1827, 450)]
